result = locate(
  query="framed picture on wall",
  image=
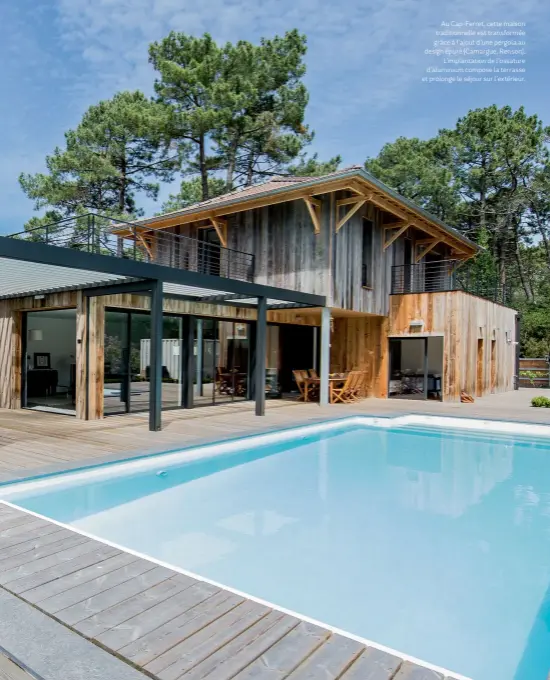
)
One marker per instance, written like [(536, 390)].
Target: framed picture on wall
[(42, 360)]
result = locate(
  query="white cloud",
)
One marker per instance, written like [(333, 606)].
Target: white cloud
[(360, 51)]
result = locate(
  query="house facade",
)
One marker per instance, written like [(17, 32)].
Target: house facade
[(348, 274)]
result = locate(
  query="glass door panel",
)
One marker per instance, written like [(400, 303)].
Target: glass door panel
[(116, 355)]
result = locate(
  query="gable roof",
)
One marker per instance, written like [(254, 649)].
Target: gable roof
[(277, 187)]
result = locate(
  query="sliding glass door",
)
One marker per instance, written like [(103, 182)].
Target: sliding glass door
[(127, 362), (222, 351), (220, 371)]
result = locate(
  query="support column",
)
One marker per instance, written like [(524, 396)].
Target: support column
[(260, 352), (155, 385), (325, 356), (187, 342), (198, 379)]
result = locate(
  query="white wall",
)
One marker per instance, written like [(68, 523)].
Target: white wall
[(58, 338)]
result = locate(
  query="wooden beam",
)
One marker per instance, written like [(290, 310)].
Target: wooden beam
[(393, 225), (314, 209), (348, 201), (396, 235), (427, 247), (144, 243), (220, 225), (357, 205)]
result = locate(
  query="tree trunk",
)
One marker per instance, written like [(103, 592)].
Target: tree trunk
[(231, 159), (250, 169), (122, 188), (203, 169)]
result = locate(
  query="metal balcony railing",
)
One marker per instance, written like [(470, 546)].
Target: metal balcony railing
[(437, 277), (93, 233)]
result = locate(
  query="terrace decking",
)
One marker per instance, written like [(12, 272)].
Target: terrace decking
[(170, 625)]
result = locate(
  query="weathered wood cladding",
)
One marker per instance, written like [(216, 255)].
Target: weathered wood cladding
[(11, 341), (347, 291), (466, 323), (289, 254), (360, 343)]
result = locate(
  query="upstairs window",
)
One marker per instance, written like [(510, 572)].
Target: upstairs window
[(366, 258)]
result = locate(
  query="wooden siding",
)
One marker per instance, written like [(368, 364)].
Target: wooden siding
[(289, 254), (462, 319), (360, 343)]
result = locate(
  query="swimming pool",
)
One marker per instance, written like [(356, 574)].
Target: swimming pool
[(429, 536)]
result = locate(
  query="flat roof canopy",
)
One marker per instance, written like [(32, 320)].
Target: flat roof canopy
[(33, 268)]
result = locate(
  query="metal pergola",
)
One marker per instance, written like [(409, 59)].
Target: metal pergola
[(30, 268)]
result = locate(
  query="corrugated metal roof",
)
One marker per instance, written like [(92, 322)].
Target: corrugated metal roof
[(18, 278)]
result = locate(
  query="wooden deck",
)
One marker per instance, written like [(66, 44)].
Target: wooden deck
[(170, 625)]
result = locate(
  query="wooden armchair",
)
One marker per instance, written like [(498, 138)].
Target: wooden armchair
[(300, 377), (351, 389)]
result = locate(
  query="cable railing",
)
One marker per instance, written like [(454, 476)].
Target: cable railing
[(437, 277), (100, 234)]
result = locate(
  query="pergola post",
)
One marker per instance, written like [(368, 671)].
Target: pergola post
[(260, 352), (187, 342), (155, 384), (199, 388), (325, 356)]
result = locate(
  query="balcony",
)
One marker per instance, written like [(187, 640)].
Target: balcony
[(444, 276), (93, 233)]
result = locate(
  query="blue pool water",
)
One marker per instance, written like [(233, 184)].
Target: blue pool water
[(434, 543)]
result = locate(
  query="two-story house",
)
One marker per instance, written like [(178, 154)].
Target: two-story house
[(224, 299)]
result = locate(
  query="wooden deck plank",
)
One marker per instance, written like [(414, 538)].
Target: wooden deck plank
[(66, 583), (93, 605), (150, 646), (287, 654), (22, 527), (373, 664), (409, 671), (330, 660), (122, 611), (244, 649), (95, 553), (64, 551), (37, 553), (188, 653), (83, 592), (144, 632), (33, 534), (42, 540)]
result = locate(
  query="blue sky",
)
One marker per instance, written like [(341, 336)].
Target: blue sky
[(365, 61)]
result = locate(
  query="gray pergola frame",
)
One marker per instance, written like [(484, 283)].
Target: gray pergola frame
[(148, 278)]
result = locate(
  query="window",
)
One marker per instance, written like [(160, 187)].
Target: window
[(366, 261)]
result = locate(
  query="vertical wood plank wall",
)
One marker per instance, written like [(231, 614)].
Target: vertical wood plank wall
[(462, 319), (289, 254), (360, 343)]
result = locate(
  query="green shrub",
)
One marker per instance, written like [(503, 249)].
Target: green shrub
[(540, 402)]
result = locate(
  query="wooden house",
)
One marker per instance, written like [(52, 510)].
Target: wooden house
[(351, 275)]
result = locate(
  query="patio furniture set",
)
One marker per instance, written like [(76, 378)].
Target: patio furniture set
[(344, 388)]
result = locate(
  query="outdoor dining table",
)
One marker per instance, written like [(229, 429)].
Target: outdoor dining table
[(332, 380)]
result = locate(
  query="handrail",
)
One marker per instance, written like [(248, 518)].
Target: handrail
[(93, 233)]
